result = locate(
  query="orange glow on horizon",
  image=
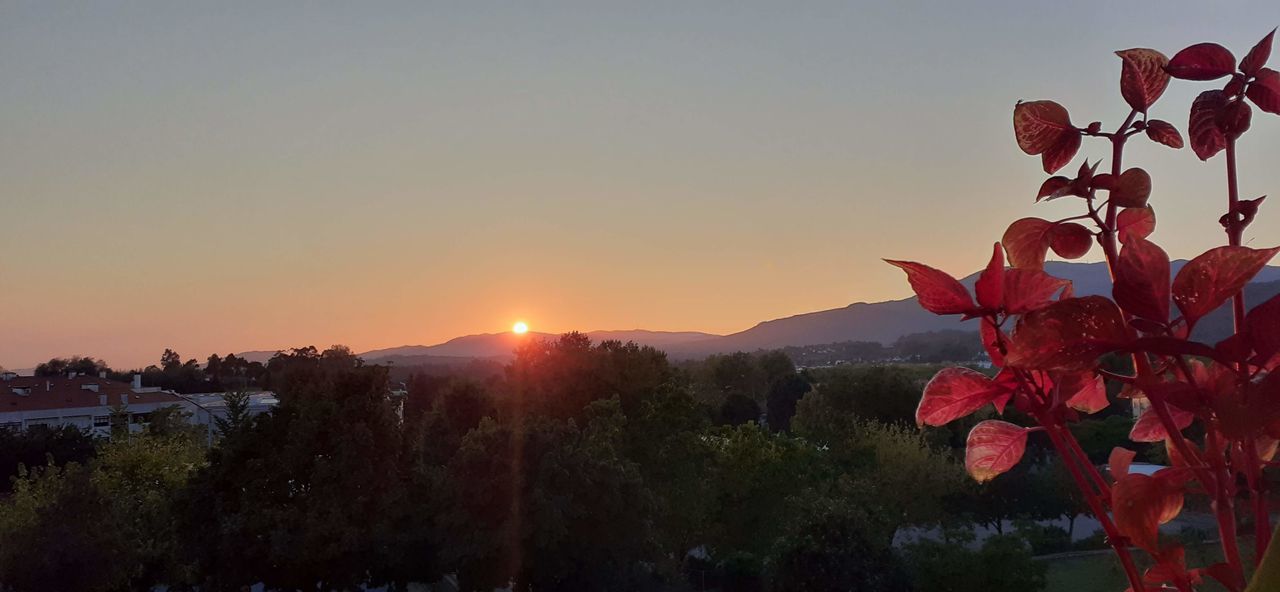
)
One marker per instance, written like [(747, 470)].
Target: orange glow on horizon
[(520, 328)]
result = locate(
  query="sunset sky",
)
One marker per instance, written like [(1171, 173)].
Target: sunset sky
[(236, 176)]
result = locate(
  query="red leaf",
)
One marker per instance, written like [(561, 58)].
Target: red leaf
[(1053, 187), (1206, 137), (1118, 463), (1070, 240), (1086, 392), (1142, 77), (1026, 241), (1038, 125), (989, 333), (1142, 280), (990, 285), (1026, 290), (1164, 133), (1257, 57), (1141, 503), (954, 393), (1262, 326), (938, 292), (1058, 155), (1131, 188), (1265, 91), (1202, 61), (1149, 429), (1135, 222), (1234, 118), (1069, 334), (992, 448), (1214, 276)]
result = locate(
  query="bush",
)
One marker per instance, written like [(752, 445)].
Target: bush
[(1044, 538), (1003, 564)]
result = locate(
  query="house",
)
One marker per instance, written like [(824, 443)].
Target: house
[(86, 402)]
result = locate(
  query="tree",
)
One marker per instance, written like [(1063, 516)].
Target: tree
[(320, 473), (548, 506), (833, 548), (106, 526), (785, 393), (1003, 564), (38, 446), (739, 409), (237, 415), (87, 366)]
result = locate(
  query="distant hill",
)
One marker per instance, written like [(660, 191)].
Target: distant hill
[(501, 345), (257, 356), (882, 322), (886, 321)]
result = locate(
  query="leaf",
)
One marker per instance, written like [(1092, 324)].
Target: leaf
[(938, 292), (1265, 91), (1234, 118), (1070, 240), (1257, 57), (1202, 61), (1052, 187), (1058, 155), (1135, 223), (1207, 281), (1148, 428), (1131, 188), (1206, 137), (1141, 503), (1164, 133), (1069, 334), (1142, 280), (988, 332), (1262, 327), (1118, 463), (1038, 125), (1027, 241), (1026, 290), (1087, 392), (990, 285), (954, 393), (992, 448), (1044, 128), (1142, 77)]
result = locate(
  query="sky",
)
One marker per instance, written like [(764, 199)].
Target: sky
[(223, 177)]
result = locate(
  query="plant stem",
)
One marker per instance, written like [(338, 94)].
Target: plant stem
[(1114, 538), (1257, 494), (1235, 227), (1224, 502)]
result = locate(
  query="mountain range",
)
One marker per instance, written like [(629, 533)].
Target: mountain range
[(884, 322)]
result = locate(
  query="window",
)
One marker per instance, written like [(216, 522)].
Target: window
[(11, 425), (101, 421), (139, 418)]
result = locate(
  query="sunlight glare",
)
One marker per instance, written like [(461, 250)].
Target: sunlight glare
[(519, 328)]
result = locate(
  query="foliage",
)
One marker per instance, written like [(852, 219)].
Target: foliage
[(104, 526), (303, 497), (1002, 564), (1049, 343), (38, 446)]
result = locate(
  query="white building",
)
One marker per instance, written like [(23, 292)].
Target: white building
[(88, 402)]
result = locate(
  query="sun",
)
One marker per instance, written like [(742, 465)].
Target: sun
[(519, 328)]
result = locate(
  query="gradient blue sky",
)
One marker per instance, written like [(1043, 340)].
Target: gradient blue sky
[(233, 176)]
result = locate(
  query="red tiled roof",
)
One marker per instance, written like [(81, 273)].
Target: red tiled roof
[(60, 392)]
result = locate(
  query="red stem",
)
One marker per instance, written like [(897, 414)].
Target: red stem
[(1257, 491), (1117, 541)]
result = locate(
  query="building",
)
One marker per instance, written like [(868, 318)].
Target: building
[(86, 402)]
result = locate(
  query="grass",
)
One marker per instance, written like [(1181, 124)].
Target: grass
[(1102, 572)]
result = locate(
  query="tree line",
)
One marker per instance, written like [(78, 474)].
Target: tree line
[(580, 467)]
